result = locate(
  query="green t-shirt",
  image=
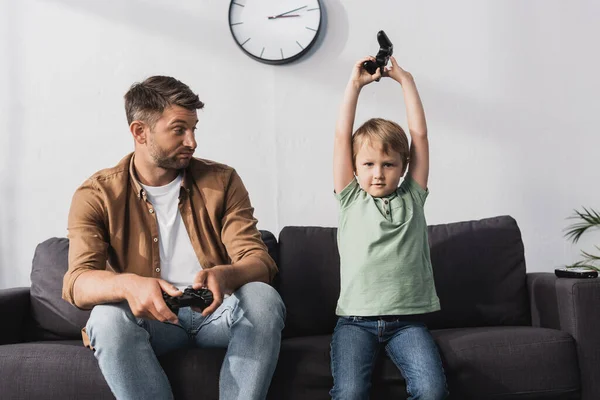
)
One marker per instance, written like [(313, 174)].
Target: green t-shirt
[(384, 253)]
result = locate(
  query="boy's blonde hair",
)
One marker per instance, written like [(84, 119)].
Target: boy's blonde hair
[(382, 131)]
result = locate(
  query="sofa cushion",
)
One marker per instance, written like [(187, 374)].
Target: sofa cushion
[(52, 371), (501, 362), (479, 271), (53, 317)]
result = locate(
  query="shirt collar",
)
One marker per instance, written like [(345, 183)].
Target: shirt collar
[(139, 190)]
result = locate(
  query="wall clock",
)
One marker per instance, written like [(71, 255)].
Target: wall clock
[(275, 31)]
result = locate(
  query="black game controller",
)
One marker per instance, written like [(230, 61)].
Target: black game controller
[(386, 49), (200, 298)]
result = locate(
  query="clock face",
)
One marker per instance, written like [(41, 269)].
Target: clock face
[(275, 31)]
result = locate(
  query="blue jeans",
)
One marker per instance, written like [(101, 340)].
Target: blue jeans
[(248, 324), (356, 343)]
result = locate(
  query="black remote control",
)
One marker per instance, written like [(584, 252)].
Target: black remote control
[(200, 298), (575, 273)]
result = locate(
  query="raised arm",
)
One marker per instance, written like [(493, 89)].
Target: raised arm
[(343, 170), (418, 168)]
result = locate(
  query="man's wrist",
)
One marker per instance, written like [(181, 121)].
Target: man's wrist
[(122, 285), (226, 272)]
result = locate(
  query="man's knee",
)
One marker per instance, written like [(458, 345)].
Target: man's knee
[(262, 302), (111, 322)]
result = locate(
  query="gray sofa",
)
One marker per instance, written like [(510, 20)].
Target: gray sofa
[(502, 333)]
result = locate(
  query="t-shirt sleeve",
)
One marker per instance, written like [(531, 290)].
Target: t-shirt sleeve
[(348, 194), (415, 190)]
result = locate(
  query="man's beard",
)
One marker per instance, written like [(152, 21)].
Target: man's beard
[(162, 159)]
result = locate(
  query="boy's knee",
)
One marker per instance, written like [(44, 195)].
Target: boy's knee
[(429, 390), (350, 391)]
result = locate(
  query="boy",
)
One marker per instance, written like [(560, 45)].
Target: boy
[(386, 274)]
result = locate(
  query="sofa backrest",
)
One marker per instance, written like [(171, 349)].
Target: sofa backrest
[(479, 271), (51, 316)]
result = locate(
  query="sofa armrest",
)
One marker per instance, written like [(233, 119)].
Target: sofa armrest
[(573, 306), (14, 307)]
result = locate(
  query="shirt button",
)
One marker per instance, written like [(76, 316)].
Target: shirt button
[(157, 269), (155, 240), (387, 212), (385, 201), (151, 211)]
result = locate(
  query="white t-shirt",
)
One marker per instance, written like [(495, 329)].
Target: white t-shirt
[(178, 261)]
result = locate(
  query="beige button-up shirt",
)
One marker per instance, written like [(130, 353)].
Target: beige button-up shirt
[(112, 224)]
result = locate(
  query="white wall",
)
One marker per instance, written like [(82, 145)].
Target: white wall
[(510, 90)]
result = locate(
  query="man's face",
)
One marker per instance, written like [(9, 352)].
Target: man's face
[(172, 142), (378, 172)]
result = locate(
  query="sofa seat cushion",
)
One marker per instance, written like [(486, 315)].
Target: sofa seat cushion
[(509, 362), (51, 370), (67, 370), (480, 363)]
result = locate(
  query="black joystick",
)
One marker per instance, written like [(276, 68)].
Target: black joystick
[(200, 298), (386, 49)]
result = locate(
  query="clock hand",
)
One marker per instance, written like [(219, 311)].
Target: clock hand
[(283, 16), (287, 12)]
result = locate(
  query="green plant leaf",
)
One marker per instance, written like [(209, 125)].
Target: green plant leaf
[(582, 264), (590, 219)]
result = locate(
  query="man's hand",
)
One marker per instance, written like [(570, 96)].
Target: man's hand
[(396, 72), (145, 299), (360, 76), (215, 279)]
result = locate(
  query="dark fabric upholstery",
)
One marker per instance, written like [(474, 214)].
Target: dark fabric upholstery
[(14, 307), (480, 275), (571, 305), (51, 316), (479, 270), (53, 371), (481, 363), (501, 362), (309, 279)]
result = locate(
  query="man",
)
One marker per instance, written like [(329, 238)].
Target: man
[(159, 221)]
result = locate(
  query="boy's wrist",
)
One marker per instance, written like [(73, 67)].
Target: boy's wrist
[(354, 85), (404, 78)]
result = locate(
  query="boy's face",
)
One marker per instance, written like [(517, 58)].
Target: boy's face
[(378, 172)]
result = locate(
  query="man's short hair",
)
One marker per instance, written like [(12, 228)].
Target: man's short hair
[(387, 133), (147, 100)]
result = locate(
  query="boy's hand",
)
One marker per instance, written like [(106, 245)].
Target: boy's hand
[(396, 72), (360, 76)]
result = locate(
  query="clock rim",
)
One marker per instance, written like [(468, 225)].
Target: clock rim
[(285, 60)]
